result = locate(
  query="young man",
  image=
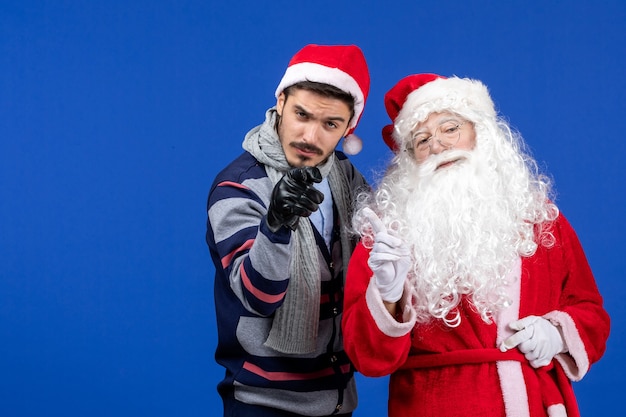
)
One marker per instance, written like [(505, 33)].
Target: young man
[(278, 232), (469, 286)]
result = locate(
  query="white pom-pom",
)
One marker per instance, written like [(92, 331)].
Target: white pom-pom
[(352, 144)]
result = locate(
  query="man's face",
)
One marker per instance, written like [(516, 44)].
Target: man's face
[(441, 132), (310, 126)]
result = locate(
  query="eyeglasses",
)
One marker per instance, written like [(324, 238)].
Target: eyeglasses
[(447, 134)]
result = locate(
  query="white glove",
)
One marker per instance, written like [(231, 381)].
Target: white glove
[(538, 339), (389, 260)]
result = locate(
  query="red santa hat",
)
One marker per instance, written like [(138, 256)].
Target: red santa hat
[(342, 66), (416, 96)]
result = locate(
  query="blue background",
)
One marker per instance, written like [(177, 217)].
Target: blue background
[(115, 116)]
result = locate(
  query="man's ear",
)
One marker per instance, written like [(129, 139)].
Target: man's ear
[(280, 104)]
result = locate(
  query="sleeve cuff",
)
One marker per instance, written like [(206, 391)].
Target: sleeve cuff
[(385, 321), (575, 362)]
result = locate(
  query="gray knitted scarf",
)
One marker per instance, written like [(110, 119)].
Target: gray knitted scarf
[(295, 324)]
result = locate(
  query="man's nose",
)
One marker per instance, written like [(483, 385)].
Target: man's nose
[(310, 132)]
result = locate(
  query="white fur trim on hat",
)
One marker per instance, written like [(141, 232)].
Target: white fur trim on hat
[(468, 98), (308, 71)]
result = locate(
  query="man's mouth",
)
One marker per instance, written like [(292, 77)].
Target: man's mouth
[(306, 150)]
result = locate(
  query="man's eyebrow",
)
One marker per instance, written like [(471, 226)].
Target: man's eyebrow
[(308, 114), (302, 109), (336, 118)]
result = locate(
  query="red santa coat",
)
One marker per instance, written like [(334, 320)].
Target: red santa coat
[(437, 370)]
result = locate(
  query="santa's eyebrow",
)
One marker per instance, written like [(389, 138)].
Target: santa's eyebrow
[(447, 119)]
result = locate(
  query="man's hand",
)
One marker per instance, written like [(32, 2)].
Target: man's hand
[(389, 260), (293, 197), (537, 338)]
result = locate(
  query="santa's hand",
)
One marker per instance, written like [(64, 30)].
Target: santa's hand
[(538, 339), (389, 260)]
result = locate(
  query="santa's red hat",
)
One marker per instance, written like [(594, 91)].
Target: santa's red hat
[(342, 66), (416, 96)]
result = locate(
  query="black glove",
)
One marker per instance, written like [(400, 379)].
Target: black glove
[(293, 197)]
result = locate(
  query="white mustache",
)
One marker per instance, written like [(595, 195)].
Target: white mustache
[(430, 165)]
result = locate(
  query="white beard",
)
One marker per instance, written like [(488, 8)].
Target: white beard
[(463, 231), (467, 223)]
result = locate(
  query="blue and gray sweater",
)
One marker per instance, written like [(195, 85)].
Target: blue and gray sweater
[(251, 280)]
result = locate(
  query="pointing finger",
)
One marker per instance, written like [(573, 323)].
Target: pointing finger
[(377, 224), (313, 174)]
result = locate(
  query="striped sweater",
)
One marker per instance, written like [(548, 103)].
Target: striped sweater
[(251, 280)]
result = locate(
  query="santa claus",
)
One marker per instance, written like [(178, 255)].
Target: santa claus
[(469, 286)]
